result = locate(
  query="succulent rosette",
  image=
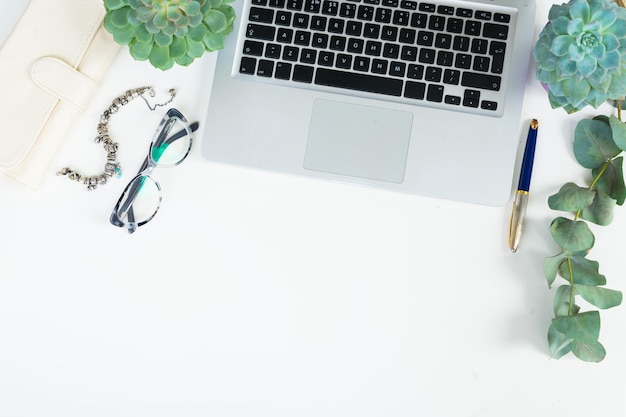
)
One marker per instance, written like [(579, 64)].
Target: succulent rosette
[(581, 54), (166, 32)]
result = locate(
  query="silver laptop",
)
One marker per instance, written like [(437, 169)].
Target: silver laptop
[(421, 97)]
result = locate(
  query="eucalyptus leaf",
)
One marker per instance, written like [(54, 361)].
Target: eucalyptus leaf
[(583, 271), (601, 210), (572, 235), (599, 296), (612, 180), (619, 132), (560, 345), (588, 352), (583, 327), (563, 301), (551, 267), (593, 143), (571, 197)]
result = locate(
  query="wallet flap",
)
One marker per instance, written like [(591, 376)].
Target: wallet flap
[(63, 29), (62, 81)]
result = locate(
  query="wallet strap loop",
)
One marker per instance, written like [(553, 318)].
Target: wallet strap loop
[(62, 81)]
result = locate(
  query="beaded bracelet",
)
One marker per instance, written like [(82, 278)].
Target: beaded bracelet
[(111, 166)]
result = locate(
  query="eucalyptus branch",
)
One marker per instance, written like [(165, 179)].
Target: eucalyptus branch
[(598, 144)]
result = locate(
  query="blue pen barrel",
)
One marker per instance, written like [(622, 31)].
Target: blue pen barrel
[(529, 157)]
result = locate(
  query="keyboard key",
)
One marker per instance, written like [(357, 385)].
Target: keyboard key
[(272, 50), (361, 63), (478, 80), (379, 66), (291, 53), (283, 18), (313, 6), (308, 56), (253, 48), (344, 61), (261, 32), (358, 82), (295, 4), (326, 59), (452, 100), (265, 68), (283, 71), (258, 14), (489, 105), (415, 90), (365, 13), (397, 69), (434, 93), (495, 31), (501, 17), (427, 7), (303, 74), (330, 8), (247, 66), (497, 50), (471, 98)]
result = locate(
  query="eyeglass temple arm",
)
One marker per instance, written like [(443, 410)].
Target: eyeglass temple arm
[(135, 188)]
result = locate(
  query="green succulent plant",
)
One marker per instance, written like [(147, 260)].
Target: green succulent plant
[(581, 54), (166, 32)]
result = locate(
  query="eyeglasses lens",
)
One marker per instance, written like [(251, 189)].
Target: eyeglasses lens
[(172, 148)]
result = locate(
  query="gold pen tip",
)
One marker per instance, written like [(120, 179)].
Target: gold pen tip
[(534, 124)]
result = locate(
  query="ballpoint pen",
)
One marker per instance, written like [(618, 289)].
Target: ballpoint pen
[(521, 197)]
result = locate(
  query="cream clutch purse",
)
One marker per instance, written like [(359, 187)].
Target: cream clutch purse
[(50, 67)]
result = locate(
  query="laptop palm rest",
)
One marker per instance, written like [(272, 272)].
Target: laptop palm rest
[(358, 141)]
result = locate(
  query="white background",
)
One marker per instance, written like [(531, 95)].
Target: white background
[(253, 294)]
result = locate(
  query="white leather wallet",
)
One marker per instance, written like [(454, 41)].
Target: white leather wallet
[(50, 67)]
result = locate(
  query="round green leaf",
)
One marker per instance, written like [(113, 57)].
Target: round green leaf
[(589, 352), (163, 39), (140, 50), (114, 4), (599, 296), (571, 197), (612, 180), (560, 345), (593, 143), (619, 132), (583, 327), (601, 210), (119, 17), (198, 33), (583, 271), (573, 236), (160, 57), (215, 20), (145, 14), (562, 301), (178, 48), (195, 49), (551, 267), (124, 35)]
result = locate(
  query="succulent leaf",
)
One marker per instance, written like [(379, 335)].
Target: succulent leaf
[(581, 54), (166, 32)]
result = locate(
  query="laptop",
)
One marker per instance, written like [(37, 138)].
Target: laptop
[(422, 97)]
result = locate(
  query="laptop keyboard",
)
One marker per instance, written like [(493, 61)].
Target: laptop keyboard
[(450, 55)]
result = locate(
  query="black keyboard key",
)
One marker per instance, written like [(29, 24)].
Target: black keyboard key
[(427, 56), (383, 15), (276, 3), (502, 17), (247, 65), (461, 43), (285, 35), (451, 76), (415, 72), (365, 13), (436, 22), (347, 10), (472, 28), (482, 15), (308, 56), (303, 74), (265, 68), (434, 93), (409, 53), (318, 23), (302, 38), (272, 50), (326, 59), (397, 69), (415, 90), (354, 28), (344, 61), (283, 71), (408, 4), (319, 40), (427, 7), (371, 30), (478, 80), (330, 8), (313, 6), (253, 48), (283, 18), (433, 74), (453, 100), (419, 20), (361, 64), (495, 31), (489, 105), (425, 38), (337, 43), (471, 98), (391, 50), (497, 50), (291, 53), (481, 63), (301, 21), (407, 35), (261, 32), (258, 14), (389, 33), (449, 10), (379, 66), (336, 25), (295, 4), (401, 17), (356, 45), (464, 12), (373, 48), (454, 25), (358, 82)]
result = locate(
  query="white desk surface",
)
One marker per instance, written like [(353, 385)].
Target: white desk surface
[(253, 294)]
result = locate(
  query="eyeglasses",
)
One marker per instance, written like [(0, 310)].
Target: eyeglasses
[(141, 198)]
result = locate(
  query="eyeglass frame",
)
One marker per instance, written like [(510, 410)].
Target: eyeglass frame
[(148, 166)]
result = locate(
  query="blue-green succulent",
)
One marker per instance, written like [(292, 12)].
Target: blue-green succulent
[(166, 32), (581, 54)]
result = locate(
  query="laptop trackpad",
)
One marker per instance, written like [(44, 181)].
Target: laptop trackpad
[(359, 141)]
